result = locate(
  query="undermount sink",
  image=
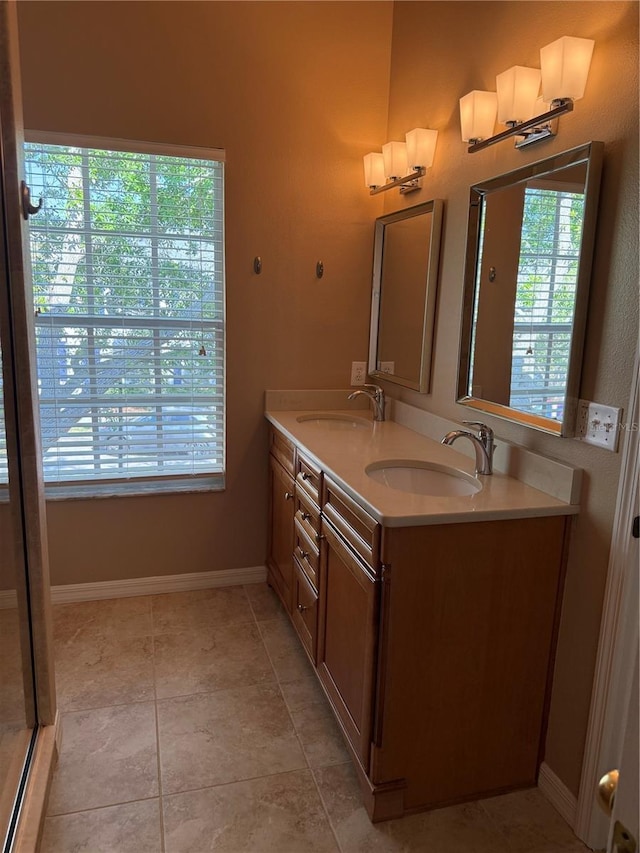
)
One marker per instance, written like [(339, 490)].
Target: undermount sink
[(423, 478), (334, 421)]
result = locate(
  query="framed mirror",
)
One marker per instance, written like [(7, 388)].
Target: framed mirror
[(528, 266), (405, 277)]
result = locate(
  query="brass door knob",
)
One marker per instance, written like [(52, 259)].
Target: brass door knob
[(607, 791)]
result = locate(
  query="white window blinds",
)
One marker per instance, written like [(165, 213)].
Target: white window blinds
[(128, 270), (545, 299)]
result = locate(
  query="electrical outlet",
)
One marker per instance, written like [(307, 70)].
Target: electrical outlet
[(358, 372), (598, 425), (388, 367)]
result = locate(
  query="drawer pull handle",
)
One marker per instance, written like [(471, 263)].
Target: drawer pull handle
[(306, 476), (288, 496), (302, 608), (320, 537), (306, 516), (303, 554)]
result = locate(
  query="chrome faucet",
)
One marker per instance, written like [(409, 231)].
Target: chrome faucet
[(482, 444), (376, 394)]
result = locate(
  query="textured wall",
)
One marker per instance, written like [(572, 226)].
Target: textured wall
[(441, 51)]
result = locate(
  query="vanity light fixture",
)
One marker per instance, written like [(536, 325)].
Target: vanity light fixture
[(564, 68), (401, 164)]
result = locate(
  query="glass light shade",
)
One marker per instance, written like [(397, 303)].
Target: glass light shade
[(478, 115), (565, 68), (421, 146), (517, 92), (374, 170), (395, 159)]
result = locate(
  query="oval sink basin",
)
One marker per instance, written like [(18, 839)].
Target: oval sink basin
[(423, 478), (334, 421)]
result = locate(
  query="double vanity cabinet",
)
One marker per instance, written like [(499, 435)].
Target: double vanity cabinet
[(433, 637)]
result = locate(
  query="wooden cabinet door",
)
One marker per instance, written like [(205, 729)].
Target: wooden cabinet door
[(347, 641), (282, 508)]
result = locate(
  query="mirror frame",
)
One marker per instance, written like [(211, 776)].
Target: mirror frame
[(590, 154), (436, 208)]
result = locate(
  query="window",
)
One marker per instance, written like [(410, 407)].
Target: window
[(545, 299), (128, 273)]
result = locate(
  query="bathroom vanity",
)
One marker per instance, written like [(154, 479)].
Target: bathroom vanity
[(430, 620)]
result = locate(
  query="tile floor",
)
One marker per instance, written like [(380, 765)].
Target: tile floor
[(192, 722)]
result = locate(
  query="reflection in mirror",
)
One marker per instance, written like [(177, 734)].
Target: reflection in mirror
[(528, 265), (405, 276)]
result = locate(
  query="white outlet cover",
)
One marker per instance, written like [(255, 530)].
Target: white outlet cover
[(358, 372), (599, 425)]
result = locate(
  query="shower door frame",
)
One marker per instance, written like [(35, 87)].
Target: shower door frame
[(23, 445)]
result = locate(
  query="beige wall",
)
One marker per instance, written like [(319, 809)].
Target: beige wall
[(493, 334), (441, 51), (296, 93)]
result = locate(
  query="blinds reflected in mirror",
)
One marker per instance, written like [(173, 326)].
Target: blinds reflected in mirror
[(546, 285)]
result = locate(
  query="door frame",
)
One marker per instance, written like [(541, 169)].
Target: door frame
[(617, 644)]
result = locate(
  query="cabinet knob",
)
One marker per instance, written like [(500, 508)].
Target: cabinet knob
[(306, 516), (306, 476), (320, 537), (288, 496), (303, 554), (302, 608)]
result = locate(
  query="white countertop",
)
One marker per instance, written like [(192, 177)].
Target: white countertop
[(344, 455)]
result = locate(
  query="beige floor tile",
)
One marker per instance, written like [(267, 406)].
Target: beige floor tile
[(108, 757), (302, 692), (184, 611), (94, 672), (213, 738), (264, 602), (276, 814), (319, 735), (212, 658), (130, 828), (458, 829), (109, 617), (283, 646), (529, 822)]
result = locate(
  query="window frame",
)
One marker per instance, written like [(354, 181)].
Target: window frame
[(157, 483)]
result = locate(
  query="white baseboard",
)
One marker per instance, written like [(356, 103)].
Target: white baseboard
[(145, 586), (560, 797)]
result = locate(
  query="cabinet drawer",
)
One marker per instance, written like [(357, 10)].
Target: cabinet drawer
[(309, 478), (282, 449), (306, 553), (305, 612), (360, 530), (307, 513)]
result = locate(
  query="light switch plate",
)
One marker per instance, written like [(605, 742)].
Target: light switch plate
[(598, 425)]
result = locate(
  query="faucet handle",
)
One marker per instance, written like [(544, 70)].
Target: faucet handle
[(483, 429), (375, 388)]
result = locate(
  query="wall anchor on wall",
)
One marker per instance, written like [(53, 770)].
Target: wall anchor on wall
[(257, 265), (319, 269)]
